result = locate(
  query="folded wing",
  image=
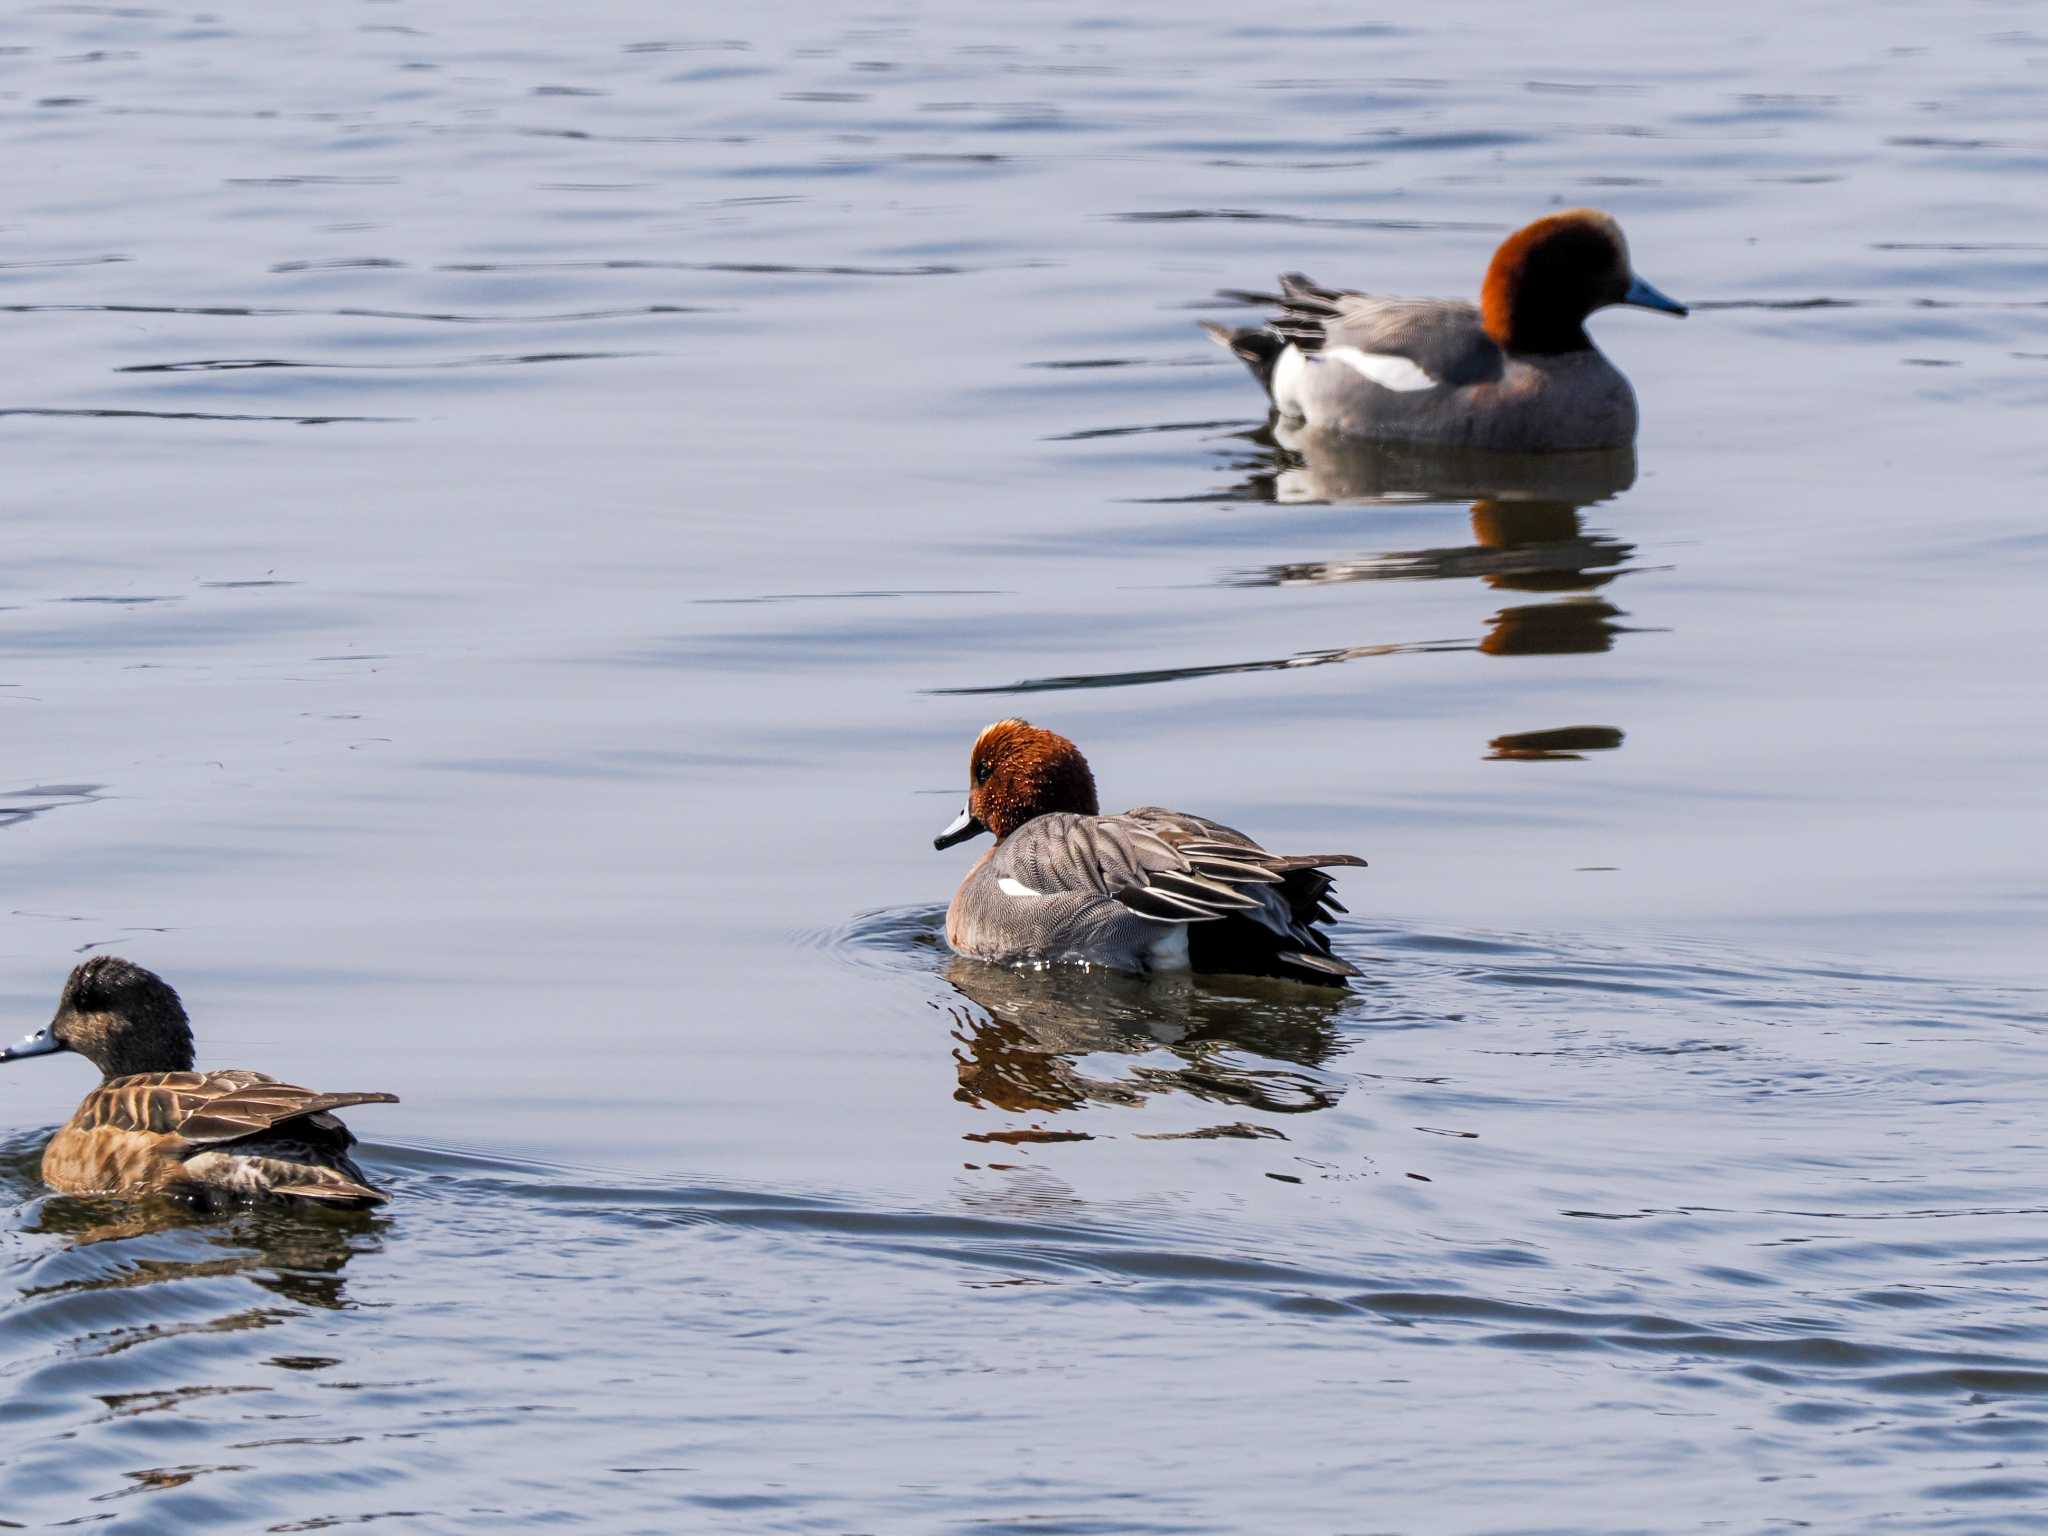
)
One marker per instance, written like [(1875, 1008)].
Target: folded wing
[(1445, 338), (262, 1107), (1249, 910), (1401, 344)]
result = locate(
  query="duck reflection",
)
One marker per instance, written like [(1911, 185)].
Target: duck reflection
[(1058, 1040), (1294, 466), (296, 1255), (1575, 627), (1528, 536), (1517, 546), (1568, 743)]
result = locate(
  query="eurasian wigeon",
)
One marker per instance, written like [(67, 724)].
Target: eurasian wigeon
[(1514, 373), (1150, 890), (156, 1127)]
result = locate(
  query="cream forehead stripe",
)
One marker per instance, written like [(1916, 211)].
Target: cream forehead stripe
[(1608, 224), (1384, 368), (990, 729)]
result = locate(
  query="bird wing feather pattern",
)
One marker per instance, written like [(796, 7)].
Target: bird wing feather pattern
[(1168, 867), (1444, 337)]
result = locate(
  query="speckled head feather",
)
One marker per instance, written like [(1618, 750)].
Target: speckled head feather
[(1019, 770), (1548, 276), (123, 1019)]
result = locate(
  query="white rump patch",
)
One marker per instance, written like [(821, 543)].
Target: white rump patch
[(1011, 887), (1286, 381), (1384, 368)]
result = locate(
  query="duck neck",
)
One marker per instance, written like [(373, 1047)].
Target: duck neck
[(1523, 316), (1544, 335), (135, 1046), (156, 1057), (1537, 296)]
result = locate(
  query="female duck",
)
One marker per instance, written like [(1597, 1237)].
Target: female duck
[(1515, 373), (156, 1127), (1150, 890)]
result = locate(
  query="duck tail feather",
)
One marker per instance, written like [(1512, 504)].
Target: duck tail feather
[(1326, 965), (1256, 347), (1305, 293), (340, 1192)]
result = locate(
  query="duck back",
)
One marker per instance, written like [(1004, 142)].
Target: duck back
[(210, 1137)]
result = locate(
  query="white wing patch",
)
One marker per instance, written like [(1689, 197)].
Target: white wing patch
[(1385, 369), (1011, 887)]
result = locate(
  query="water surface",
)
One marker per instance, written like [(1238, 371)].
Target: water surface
[(515, 521)]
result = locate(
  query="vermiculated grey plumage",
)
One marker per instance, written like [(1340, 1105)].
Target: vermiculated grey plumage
[(1121, 885)]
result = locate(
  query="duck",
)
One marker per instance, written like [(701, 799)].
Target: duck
[(1514, 373), (1151, 890), (154, 1126)]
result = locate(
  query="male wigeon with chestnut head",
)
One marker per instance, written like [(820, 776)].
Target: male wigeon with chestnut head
[(1515, 372), (1150, 890)]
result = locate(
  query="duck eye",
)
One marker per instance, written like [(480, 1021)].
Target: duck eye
[(981, 771)]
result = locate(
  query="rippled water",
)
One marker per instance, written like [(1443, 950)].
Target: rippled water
[(515, 519)]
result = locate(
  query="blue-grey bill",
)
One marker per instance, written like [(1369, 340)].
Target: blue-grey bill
[(964, 826), (1644, 296), (41, 1043)]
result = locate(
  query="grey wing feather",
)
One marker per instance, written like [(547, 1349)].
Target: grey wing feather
[(1216, 867), (1084, 855), (1107, 881), (1287, 894), (1443, 337)]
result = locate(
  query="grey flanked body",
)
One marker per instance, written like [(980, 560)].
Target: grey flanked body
[(1125, 891), (1514, 373), (1482, 397), (1150, 890)]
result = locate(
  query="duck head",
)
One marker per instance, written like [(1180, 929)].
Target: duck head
[(1017, 771), (1546, 278), (118, 1016)]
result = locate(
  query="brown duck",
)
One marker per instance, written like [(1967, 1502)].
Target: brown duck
[(156, 1127)]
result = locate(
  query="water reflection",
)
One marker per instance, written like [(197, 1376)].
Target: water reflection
[(1529, 535), (1580, 625), (1044, 1041), (20, 805), (296, 1255), (1543, 546), (1567, 743), (1293, 466), (1517, 546)]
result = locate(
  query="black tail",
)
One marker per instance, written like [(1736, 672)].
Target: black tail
[(1259, 349), (1247, 948)]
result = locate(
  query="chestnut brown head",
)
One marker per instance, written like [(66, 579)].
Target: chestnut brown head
[(118, 1016), (1017, 771), (1546, 278)]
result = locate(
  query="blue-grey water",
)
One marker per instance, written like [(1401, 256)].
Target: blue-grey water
[(514, 515)]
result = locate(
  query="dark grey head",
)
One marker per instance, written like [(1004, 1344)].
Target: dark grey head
[(118, 1016)]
